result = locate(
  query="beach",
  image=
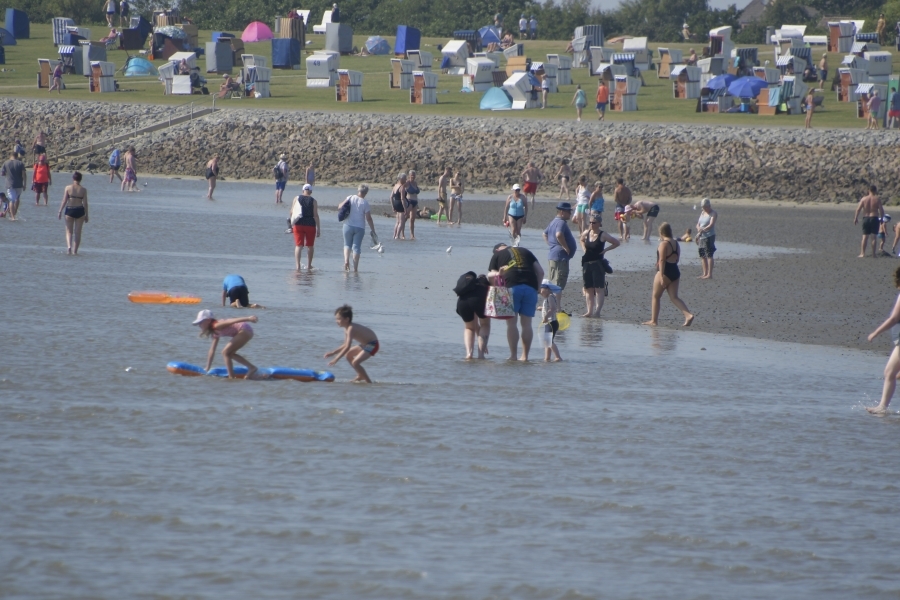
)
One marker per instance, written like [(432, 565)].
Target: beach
[(704, 458)]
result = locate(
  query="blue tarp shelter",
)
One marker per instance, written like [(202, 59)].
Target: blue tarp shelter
[(408, 38), (138, 67), (377, 45), (7, 38), (489, 35), (747, 87), (495, 99), (285, 53), (17, 24)]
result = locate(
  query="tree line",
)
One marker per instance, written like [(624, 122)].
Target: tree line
[(660, 20)]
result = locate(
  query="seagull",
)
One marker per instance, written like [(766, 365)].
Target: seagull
[(449, 249), (381, 250)]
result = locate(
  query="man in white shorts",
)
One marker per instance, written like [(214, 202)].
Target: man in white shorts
[(14, 170)]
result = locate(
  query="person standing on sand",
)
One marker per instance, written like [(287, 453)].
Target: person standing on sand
[(810, 103), (521, 273), (282, 172), (532, 177), (892, 368), (667, 277), (564, 174), (311, 173), (593, 268), (443, 182), (305, 226), (41, 180), (456, 195), (872, 212), (622, 198), (602, 99), (130, 181), (579, 100), (706, 237), (212, 174)]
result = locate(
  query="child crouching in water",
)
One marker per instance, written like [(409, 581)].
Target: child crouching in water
[(549, 324), (368, 343), (237, 329)]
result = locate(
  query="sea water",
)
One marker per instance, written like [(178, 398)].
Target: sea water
[(650, 463)]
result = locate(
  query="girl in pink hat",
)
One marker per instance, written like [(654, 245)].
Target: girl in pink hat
[(240, 332)]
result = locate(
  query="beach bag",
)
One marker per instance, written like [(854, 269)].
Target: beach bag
[(606, 266), (114, 160), (344, 210), (499, 303), (276, 171), (296, 211)]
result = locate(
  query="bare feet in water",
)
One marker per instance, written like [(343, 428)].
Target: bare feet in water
[(251, 373), (877, 410), (651, 323)]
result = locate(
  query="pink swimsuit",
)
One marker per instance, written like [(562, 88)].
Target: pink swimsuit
[(233, 330)]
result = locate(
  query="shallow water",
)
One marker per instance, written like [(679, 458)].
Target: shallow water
[(651, 463)]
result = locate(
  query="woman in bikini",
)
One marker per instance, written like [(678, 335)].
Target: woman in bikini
[(212, 173), (412, 202), (240, 332), (75, 205), (515, 213), (400, 205), (667, 276)]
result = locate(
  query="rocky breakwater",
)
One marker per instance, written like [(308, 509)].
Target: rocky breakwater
[(671, 160)]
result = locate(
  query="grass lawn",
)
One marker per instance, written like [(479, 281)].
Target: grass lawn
[(289, 91)]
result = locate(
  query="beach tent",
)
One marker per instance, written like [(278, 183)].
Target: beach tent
[(496, 99), (17, 24), (377, 45), (408, 38), (747, 87), (256, 31), (6, 38), (139, 67), (489, 35)]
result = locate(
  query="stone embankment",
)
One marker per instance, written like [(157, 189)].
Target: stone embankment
[(668, 160)]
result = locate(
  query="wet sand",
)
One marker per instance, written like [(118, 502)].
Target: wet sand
[(823, 296)]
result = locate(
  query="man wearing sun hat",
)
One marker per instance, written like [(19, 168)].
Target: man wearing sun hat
[(559, 238)]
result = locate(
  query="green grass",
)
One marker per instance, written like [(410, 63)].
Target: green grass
[(289, 89)]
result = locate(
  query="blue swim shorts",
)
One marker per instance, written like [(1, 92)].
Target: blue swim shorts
[(280, 185), (524, 299)]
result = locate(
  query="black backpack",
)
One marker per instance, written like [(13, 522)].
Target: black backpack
[(276, 171), (466, 284)]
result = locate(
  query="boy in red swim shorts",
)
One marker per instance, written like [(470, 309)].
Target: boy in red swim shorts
[(532, 177)]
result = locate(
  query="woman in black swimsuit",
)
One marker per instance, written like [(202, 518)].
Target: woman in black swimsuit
[(212, 173), (412, 203), (593, 242), (400, 205), (75, 204), (667, 276)]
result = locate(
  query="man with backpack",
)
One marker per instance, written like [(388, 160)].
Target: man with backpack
[(281, 171), (115, 163)]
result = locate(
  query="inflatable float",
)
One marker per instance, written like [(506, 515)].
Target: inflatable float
[(434, 217), (189, 370), (151, 297)]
